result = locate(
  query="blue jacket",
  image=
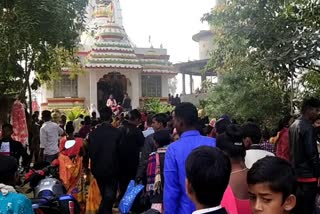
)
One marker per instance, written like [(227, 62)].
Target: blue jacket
[(176, 200)]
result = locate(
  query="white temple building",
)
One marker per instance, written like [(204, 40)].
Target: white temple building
[(113, 65)]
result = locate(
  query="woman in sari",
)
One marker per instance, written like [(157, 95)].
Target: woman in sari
[(70, 162)]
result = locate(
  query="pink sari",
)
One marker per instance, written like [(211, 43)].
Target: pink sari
[(234, 205)]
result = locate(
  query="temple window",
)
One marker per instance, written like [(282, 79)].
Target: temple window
[(66, 87), (151, 85)]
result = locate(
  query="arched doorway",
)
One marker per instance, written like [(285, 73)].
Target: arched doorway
[(112, 83)]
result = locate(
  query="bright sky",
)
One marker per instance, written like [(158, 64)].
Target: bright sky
[(171, 23)]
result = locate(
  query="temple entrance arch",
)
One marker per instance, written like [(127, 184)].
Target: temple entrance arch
[(112, 83)]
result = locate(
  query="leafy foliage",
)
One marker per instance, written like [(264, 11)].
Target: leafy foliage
[(311, 84), (244, 95), (260, 47), (156, 106), (37, 36), (75, 112)]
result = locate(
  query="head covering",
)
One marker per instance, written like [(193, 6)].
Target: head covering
[(212, 122)]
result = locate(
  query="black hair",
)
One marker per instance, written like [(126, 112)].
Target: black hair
[(161, 118), (134, 115), (231, 142), (69, 127), (187, 112), (93, 114), (253, 131), (87, 120), (277, 173), (7, 126), (284, 122), (149, 119), (162, 137), (221, 125), (81, 116), (46, 115), (34, 116), (105, 114), (208, 171), (311, 102)]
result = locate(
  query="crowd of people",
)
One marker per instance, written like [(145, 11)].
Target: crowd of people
[(187, 164)]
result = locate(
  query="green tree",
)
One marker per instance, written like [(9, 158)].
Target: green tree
[(244, 93), (261, 47), (37, 36)]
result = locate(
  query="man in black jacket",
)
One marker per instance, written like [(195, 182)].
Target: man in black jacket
[(104, 144), (304, 155), (10, 147), (159, 122), (131, 143)]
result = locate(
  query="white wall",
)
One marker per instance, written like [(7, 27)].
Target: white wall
[(164, 85), (205, 46), (46, 93), (87, 87), (84, 88)]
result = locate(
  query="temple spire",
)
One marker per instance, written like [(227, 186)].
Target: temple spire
[(107, 11)]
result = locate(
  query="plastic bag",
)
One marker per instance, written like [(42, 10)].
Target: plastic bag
[(129, 197)]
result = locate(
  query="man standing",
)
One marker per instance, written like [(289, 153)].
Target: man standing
[(35, 140), (111, 102), (159, 122), (126, 104), (104, 144), (185, 117), (149, 131), (49, 138), (130, 146), (304, 155), (10, 147), (77, 123)]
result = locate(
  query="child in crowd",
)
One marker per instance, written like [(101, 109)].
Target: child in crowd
[(208, 171), (11, 201), (272, 186), (155, 178)]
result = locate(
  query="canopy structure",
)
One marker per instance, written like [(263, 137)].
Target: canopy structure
[(193, 68)]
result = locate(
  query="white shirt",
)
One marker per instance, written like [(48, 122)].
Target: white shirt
[(49, 137), (111, 103), (253, 155), (77, 124), (148, 132), (207, 210)]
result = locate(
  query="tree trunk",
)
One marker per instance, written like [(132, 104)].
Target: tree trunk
[(30, 98), (292, 92), (4, 109)]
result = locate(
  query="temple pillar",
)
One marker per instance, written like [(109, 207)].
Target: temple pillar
[(136, 85), (191, 84), (183, 83), (93, 88), (203, 77)]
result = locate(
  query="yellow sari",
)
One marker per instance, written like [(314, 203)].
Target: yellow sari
[(94, 197), (70, 171)]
